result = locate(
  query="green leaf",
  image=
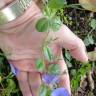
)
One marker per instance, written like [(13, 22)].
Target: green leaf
[(73, 72), (57, 4), (74, 84), (68, 56), (89, 40), (42, 25), (11, 84), (93, 24), (40, 65), (43, 90), (54, 69), (48, 53), (55, 23), (69, 64), (81, 72), (48, 12), (49, 91)]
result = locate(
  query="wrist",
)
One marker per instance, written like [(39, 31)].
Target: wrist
[(13, 10), (28, 13)]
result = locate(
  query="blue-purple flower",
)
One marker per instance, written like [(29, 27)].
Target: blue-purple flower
[(14, 70), (50, 79), (60, 92)]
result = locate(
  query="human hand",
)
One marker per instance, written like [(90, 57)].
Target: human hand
[(23, 42)]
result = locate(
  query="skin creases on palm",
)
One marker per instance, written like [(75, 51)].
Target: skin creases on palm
[(20, 41), (24, 47)]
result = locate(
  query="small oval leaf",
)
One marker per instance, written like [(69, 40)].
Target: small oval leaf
[(54, 69), (56, 23), (42, 25), (57, 4), (48, 53), (40, 65)]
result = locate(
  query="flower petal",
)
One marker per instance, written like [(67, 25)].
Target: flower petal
[(50, 79), (14, 70), (60, 92)]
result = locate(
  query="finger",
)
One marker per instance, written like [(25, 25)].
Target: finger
[(80, 52), (23, 83), (27, 65), (64, 79), (35, 82), (57, 53), (71, 42)]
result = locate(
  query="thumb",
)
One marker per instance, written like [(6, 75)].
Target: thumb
[(79, 52), (74, 44)]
